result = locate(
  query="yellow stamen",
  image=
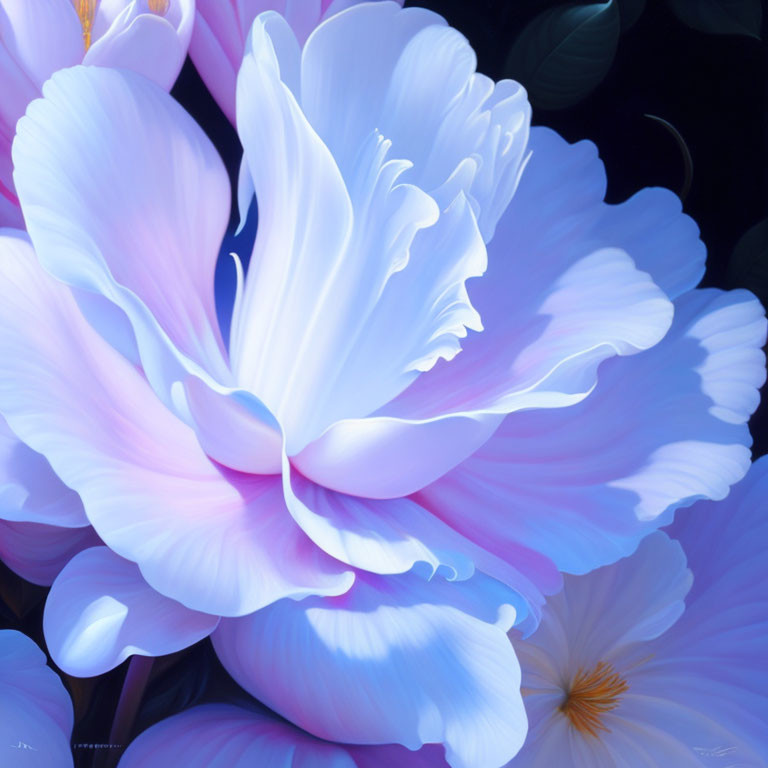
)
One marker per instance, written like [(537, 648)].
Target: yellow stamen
[(590, 696), (85, 10), (160, 7)]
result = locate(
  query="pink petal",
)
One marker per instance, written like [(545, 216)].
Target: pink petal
[(39, 552), (216, 541)]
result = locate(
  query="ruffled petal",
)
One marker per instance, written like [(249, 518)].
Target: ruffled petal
[(146, 42), (345, 301), (38, 552), (556, 301), (100, 611), (397, 535), (37, 717), (216, 541), (397, 659), (600, 307), (145, 234), (410, 77), (661, 430), (30, 491), (225, 736)]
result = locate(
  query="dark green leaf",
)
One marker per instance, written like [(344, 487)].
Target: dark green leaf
[(629, 12), (748, 267), (720, 17), (565, 52)]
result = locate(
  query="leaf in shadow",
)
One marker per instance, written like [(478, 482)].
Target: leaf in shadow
[(629, 12), (18, 598), (748, 267), (178, 681), (565, 52), (720, 17), (81, 692)]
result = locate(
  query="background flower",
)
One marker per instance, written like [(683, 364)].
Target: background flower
[(634, 666), (39, 38), (221, 30), (35, 710)]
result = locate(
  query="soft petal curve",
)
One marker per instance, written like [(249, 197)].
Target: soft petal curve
[(38, 552), (100, 611), (346, 299), (600, 307), (226, 736), (660, 431), (30, 491), (145, 41), (125, 196), (398, 659), (392, 536), (214, 540)]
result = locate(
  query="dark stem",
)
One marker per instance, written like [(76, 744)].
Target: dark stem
[(134, 685)]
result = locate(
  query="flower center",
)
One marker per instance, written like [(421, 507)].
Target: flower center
[(86, 9), (160, 7), (590, 696)]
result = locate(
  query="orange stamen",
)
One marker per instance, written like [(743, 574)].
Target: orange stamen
[(85, 11), (160, 7), (590, 696)]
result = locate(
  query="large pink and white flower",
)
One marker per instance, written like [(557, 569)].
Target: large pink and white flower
[(38, 38), (453, 372)]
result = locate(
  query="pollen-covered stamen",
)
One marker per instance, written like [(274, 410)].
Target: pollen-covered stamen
[(160, 7), (85, 11), (590, 696)]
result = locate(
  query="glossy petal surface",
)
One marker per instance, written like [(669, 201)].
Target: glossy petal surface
[(100, 611), (397, 659)]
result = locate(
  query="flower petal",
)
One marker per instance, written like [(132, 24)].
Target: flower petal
[(397, 535), (215, 541), (346, 299), (42, 37), (710, 666), (555, 302), (125, 196), (37, 717), (661, 430), (225, 736), (100, 611), (38, 552), (599, 307), (397, 659), (222, 27), (409, 76), (30, 491), (146, 42)]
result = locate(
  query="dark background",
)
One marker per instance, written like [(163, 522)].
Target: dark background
[(711, 87)]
